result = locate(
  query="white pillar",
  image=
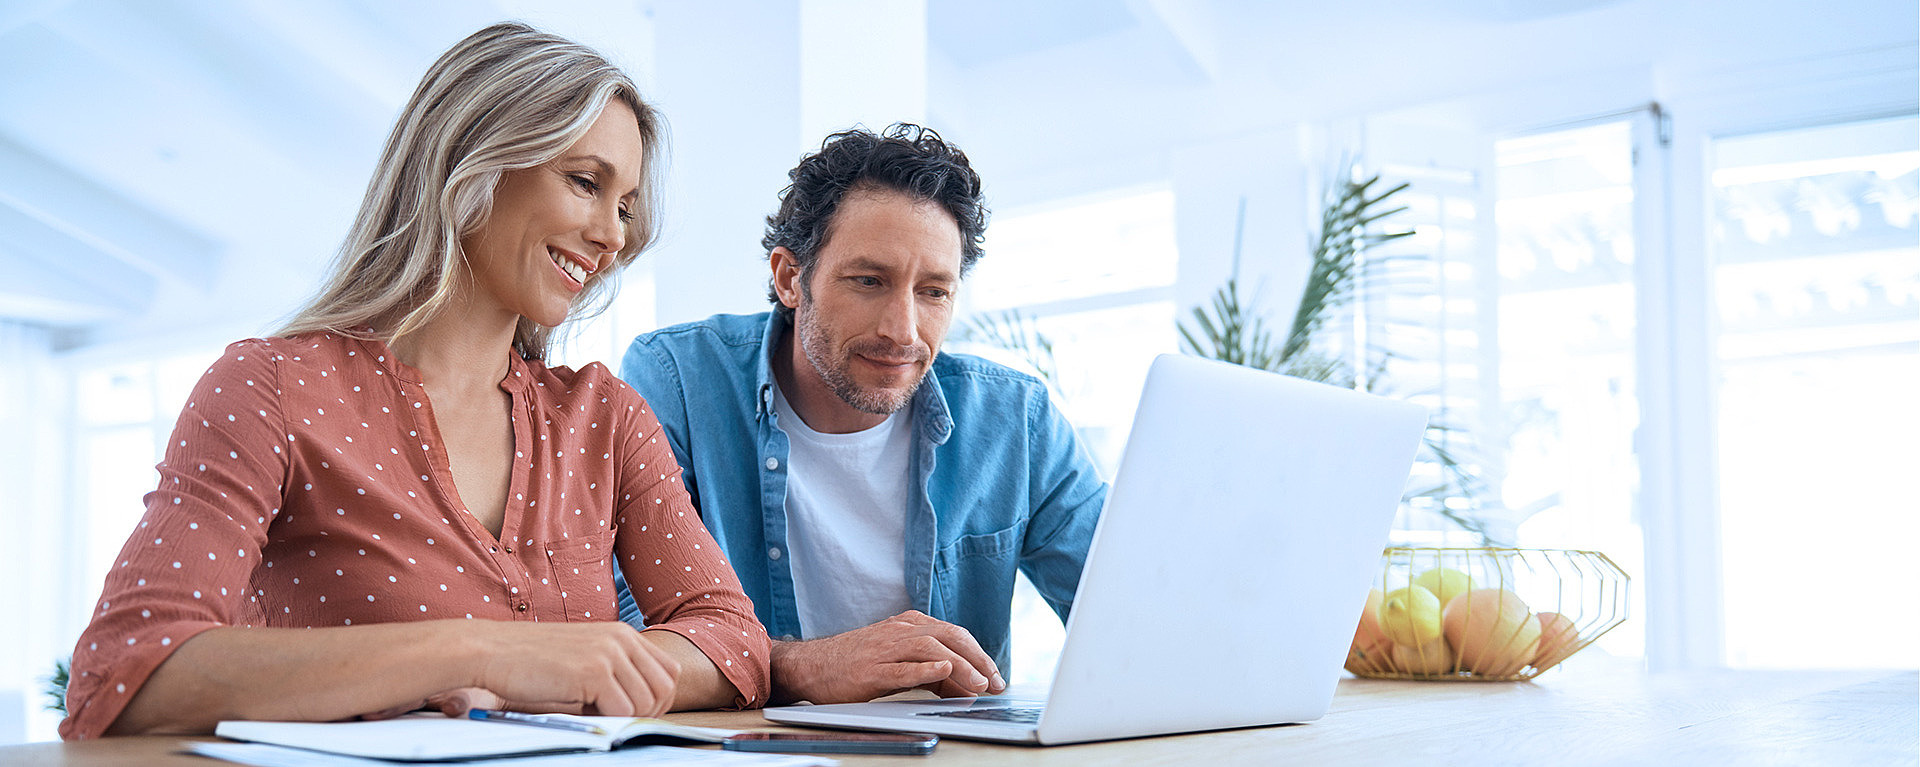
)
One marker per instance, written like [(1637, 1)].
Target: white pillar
[(861, 62), (1211, 182), (727, 79), (747, 88)]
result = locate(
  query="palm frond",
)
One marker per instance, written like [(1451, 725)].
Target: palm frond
[(57, 687), (1232, 333), (1337, 264)]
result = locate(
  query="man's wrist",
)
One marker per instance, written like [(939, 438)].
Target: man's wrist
[(787, 664)]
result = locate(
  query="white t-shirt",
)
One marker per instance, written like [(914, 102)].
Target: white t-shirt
[(846, 521)]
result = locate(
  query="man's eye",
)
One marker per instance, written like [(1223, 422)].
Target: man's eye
[(867, 281)]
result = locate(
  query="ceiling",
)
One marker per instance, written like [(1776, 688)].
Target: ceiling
[(181, 162)]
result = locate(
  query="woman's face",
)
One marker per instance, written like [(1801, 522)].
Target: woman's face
[(555, 226)]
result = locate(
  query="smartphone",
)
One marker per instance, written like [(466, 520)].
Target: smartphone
[(912, 744)]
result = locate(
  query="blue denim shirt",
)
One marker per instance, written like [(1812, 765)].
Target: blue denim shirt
[(999, 479)]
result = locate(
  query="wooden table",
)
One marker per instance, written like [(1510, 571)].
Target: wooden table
[(1593, 715)]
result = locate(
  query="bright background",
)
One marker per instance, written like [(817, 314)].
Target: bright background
[(1673, 247)]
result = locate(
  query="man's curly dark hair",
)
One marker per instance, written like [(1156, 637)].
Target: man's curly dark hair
[(907, 159)]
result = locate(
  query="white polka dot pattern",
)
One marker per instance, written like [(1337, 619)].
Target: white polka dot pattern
[(274, 518)]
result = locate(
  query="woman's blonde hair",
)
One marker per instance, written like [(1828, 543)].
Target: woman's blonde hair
[(507, 97)]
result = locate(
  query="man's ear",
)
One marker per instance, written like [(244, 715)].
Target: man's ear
[(786, 276)]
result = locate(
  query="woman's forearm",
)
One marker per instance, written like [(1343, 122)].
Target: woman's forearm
[(299, 675), (700, 684), (319, 675)]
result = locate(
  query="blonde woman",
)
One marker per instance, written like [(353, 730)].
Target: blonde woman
[(395, 502)]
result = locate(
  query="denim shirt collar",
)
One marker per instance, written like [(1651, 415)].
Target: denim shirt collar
[(929, 401), (763, 376)]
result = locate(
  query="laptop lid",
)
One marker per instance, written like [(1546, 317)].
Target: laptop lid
[(1235, 551), (1239, 540)]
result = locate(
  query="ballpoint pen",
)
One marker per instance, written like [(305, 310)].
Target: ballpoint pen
[(534, 720)]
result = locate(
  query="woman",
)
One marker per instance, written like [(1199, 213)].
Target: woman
[(394, 502)]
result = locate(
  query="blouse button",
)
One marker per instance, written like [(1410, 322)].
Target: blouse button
[(522, 607), (509, 549)]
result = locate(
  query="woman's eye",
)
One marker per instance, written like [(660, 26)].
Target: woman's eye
[(585, 184), (626, 216)]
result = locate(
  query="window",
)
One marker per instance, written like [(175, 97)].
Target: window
[(1519, 337), (1095, 276), (1816, 269), (1566, 317)]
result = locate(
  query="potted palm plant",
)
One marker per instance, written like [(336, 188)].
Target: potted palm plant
[(1342, 270)]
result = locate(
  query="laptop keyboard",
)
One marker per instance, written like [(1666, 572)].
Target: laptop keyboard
[(1016, 715)]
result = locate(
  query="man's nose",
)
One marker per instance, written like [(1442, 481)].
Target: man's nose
[(897, 320)]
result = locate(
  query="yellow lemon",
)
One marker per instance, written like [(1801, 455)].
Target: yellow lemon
[(1410, 616), (1445, 583)]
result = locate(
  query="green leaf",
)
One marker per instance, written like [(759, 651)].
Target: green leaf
[(57, 686)]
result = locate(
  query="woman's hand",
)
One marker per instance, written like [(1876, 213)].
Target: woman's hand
[(604, 668)]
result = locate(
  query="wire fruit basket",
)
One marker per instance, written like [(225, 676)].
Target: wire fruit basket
[(1484, 614)]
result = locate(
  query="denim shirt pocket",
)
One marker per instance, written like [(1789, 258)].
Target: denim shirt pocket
[(583, 577), (981, 564), (996, 547)]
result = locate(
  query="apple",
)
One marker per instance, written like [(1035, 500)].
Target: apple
[(1431, 658), (1492, 630), (1370, 645), (1558, 639)]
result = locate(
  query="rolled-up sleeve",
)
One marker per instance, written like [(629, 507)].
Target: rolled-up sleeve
[(678, 575), (186, 567)]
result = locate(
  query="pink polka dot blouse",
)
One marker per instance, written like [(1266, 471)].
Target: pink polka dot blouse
[(305, 485)]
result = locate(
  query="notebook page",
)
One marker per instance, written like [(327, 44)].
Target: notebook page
[(263, 755), (416, 737)]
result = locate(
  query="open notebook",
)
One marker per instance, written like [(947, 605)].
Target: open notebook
[(436, 738)]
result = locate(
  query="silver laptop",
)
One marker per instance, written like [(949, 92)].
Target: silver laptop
[(1227, 573)]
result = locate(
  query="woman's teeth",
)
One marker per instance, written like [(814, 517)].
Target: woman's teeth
[(572, 269)]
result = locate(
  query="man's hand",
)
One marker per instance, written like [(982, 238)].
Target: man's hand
[(906, 651)]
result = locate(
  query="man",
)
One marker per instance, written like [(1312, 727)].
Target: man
[(875, 495)]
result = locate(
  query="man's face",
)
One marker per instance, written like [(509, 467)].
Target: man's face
[(878, 301)]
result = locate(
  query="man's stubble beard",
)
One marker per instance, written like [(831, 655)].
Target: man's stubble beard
[(816, 344)]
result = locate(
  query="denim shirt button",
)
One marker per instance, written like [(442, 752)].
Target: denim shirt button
[(773, 553), (773, 464)]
